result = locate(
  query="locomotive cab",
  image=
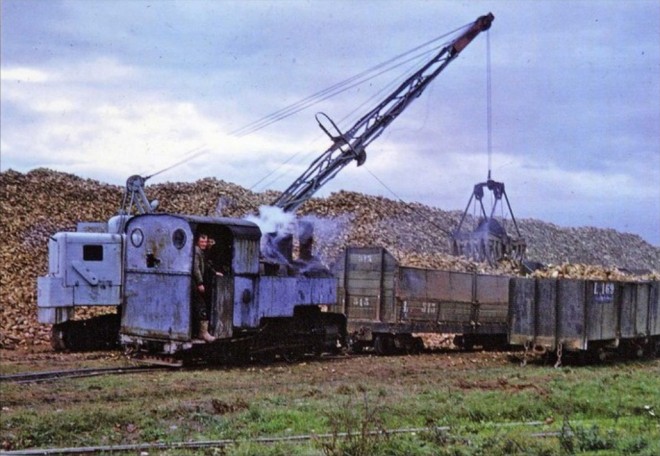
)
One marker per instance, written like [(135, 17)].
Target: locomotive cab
[(158, 277)]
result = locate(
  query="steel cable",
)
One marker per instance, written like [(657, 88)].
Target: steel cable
[(334, 89)]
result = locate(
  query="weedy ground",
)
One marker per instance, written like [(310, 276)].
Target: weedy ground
[(457, 403)]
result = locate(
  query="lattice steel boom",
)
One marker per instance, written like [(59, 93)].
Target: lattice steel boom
[(351, 145)]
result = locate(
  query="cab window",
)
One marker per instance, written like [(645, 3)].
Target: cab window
[(92, 252)]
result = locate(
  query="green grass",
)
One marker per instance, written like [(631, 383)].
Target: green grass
[(611, 409)]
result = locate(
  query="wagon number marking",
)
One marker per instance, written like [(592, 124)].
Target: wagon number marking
[(603, 292), (361, 301)]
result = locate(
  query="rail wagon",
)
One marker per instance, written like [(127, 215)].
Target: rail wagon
[(388, 304), (585, 315)]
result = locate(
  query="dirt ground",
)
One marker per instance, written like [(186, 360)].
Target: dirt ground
[(43, 358), (437, 387)]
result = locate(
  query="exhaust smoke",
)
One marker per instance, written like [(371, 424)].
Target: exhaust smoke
[(278, 230)]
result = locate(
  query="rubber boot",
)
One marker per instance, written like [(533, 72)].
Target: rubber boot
[(204, 332)]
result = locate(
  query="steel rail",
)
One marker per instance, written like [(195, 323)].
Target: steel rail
[(36, 377), (262, 440)]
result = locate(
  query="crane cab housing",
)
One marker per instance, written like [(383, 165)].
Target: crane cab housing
[(84, 269)]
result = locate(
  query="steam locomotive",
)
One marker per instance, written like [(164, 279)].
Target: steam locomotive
[(256, 308)]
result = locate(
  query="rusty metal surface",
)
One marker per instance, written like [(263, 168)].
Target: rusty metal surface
[(545, 322), (447, 296), (602, 310), (521, 311), (570, 304), (545, 312), (164, 314), (367, 284), (378, 294), (362, 307), (575, 313), (492, 289), (246, 256), (246, 305), (635, 310)]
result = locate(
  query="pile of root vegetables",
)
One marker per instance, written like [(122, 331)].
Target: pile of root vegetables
[(42, 202)]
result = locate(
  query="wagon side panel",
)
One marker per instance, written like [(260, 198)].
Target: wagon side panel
[(363, 276), (492, 299), (572, 318), (545, 309), (602, 310), (521, 311), (654, 309)]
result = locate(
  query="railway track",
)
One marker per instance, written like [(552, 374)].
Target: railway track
[(46, 376), (219, 444), (37, 377)]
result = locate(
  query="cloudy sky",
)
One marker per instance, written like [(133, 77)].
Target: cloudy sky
[(106, 89)]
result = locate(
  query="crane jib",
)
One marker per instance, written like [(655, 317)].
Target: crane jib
[(351, 145)]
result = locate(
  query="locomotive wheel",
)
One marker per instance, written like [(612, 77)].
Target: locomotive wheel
[(637, 351), (265, 357), (291, 356), (96, 333), (408, 344)]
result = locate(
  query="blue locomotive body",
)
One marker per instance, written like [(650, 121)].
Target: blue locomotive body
[(275, 309), (158, 282)]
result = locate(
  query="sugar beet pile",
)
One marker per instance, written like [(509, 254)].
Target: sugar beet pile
[(42, 202)]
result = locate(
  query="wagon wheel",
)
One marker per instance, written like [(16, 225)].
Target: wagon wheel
[(464, 341), (382, 345), (654, 349), (415, 345)]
